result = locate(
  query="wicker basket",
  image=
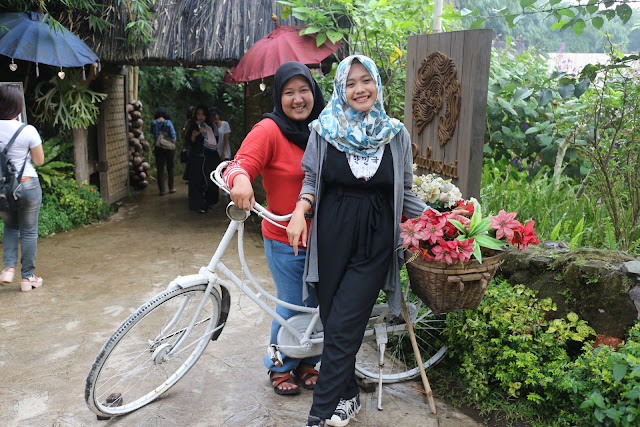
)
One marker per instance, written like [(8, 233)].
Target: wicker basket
[(448, 288)]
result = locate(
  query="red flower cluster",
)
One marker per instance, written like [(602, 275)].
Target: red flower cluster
[(459, 234)]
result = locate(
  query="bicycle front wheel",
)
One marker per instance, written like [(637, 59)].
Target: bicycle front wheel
[(400, 363), (138, 363)]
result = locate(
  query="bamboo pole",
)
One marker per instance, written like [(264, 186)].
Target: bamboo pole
[(416, 350)]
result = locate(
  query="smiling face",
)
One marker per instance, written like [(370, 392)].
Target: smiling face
[(297, 98), (360, 90)]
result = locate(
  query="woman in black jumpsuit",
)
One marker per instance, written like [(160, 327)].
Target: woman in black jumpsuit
[(358, 178)]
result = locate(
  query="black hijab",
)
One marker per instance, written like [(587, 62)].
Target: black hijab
[(296, 131)]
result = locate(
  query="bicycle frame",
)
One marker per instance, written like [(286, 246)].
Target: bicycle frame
[(210, 275)]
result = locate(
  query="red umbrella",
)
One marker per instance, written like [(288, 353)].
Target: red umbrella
[(283, 44)]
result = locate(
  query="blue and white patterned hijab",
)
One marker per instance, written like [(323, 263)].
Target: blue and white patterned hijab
[(351, 131)]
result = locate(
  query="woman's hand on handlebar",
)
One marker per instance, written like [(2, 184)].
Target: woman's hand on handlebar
[(297, 228), (242, 193), (297, 231)]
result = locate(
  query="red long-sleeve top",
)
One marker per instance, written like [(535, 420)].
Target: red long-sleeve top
[(266, 151)]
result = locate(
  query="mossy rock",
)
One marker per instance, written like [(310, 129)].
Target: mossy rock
[(588, 281)]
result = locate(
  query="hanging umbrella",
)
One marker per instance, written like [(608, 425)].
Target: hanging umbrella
[(27, 36), (283, 44)]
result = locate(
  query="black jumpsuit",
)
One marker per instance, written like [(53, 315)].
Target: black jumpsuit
[(355, 246)]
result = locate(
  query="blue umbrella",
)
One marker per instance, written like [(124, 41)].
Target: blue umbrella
[(27, 36)]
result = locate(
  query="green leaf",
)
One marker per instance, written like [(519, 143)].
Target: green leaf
[(334, 36), (566, 12), (554, 2), (573, 317), (544, 96), (610, 14), (597, 22), (579, 228), (505, 104), (592, 9), (624, 12), (566, 91), (598, 400), (581, 87), (619, 371), (489, 242), (320, 39), (477, 251), (556, 231), (526, 3), (579, 26), (559, 25), (312, 29), (531, 130), (459, 226), (522, 93), (477, 24)]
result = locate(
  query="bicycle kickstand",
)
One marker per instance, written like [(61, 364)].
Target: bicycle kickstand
[(381, 340), (275, 355)]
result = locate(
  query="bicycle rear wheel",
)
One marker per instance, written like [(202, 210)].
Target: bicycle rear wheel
[(399, 361), (137, 365)]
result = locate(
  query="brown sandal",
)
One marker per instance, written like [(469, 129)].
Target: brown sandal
[(305, 374), (287, 378)]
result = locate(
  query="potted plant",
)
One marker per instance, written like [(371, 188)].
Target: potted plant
[(453, 255)]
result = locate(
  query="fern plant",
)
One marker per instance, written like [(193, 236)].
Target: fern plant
[(67, 102)]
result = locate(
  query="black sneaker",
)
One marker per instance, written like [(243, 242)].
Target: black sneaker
[(314, 422), (346, 410)]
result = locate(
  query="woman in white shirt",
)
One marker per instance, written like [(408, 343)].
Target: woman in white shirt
[(21, 225), (224, 149)]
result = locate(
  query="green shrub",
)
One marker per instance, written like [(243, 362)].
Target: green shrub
[(605, 384), (560, 213), (510, 347)]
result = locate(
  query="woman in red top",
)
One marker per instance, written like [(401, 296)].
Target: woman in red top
[(274, 149)]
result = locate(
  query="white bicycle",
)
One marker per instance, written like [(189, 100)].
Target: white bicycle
[(158, 344)]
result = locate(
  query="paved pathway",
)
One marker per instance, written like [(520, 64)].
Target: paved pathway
[(95, 276)]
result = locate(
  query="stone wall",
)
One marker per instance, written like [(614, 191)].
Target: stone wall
[(602, 287)]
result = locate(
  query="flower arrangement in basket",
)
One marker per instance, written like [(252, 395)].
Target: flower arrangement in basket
[(453, 255)]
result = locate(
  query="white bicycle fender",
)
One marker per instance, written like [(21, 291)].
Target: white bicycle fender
[(187, 281)]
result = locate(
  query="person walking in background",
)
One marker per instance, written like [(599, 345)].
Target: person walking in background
[(224, 149), (358, 178), (162, 123), (203, 158), (21, 225), (274, 149)]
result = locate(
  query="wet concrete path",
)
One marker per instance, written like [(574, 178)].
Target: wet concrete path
[(95, 276)]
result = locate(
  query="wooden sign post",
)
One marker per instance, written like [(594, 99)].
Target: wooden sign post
[(446, 102)]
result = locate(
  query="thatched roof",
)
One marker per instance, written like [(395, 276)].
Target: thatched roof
[(194, 32)]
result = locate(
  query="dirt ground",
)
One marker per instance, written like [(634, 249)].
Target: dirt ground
[(95, 276)]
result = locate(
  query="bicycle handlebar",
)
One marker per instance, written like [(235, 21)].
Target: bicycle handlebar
[(216, 177)]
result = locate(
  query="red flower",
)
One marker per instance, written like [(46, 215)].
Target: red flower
[(463, 248), (445, 251), (505, 224), (467, 206), (523, 236), (91, 189)]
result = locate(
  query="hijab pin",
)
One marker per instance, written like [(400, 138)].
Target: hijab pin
[(262, 85), (13, 66), (61, 74)]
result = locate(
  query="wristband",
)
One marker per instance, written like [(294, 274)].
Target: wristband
[(306, 199)]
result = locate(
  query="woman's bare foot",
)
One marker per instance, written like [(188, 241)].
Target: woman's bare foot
[(306, 373), (283, 383)]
